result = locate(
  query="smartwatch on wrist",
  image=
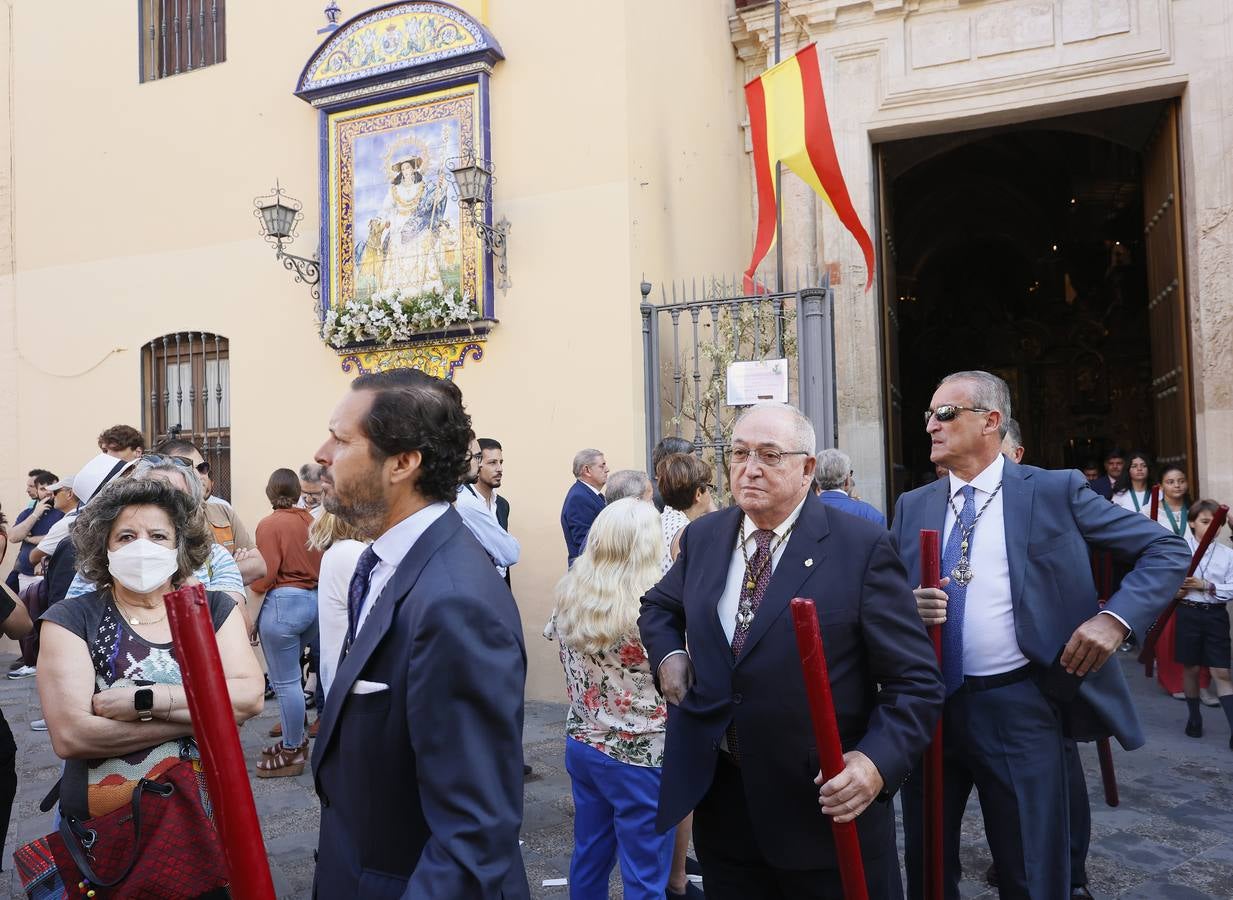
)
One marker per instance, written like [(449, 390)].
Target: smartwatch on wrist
[(143, 702)]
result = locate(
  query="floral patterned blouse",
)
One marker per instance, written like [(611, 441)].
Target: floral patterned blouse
[(613, 704)]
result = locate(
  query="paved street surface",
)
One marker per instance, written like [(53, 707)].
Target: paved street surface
[(1172, 837)]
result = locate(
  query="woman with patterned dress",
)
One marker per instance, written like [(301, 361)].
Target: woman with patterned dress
[(614, 747), (108, 675)]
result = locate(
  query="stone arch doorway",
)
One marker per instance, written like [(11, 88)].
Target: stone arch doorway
[(1048, 252)]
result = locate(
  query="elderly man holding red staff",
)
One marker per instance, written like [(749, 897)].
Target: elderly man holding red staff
[(1024, 640), (740, 748)]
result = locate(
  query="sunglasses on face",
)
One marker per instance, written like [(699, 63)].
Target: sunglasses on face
[(948, 412)]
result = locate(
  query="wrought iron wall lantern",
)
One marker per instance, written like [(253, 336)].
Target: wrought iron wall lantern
[(279, 214), (472, 180)]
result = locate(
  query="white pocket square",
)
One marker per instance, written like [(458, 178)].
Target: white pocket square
[(368, 687)]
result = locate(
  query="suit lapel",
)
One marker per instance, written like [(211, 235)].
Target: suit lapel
[(936, 502), (717, 560), (379, 620), (1017, 522), (791, 572)]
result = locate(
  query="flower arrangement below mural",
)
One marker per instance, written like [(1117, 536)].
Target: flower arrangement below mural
[(396, 316)]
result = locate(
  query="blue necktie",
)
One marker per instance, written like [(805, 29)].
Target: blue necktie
[(358, 590), (957, 594)]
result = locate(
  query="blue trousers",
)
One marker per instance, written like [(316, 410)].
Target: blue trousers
[(287, 625), (1007, 743), (614, 815)]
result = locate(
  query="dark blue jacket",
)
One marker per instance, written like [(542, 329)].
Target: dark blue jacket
[(872, 635), (844, 503), (421, 782), (1051, 519), (581, 507)]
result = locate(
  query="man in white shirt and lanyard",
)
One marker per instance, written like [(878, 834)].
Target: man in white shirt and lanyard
[(418, 764), (1024, 641), (1202, 627)]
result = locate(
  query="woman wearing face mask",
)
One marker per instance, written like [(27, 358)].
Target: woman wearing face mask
[(1133, 490), (108, 675)]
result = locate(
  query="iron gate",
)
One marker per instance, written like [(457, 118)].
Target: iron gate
[(696, 331)]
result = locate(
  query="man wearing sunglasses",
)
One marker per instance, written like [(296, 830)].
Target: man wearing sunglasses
[(1017, 595)]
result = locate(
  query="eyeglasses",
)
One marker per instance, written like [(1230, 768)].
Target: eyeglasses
[(769, 458), (947, 412)]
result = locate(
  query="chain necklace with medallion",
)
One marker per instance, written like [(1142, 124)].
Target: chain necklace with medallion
[(133, 620), (962, 572), (744, 610)]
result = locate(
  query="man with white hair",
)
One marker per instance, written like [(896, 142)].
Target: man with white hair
[(584, 501), (628, 483), (740, 748), (832, 481)]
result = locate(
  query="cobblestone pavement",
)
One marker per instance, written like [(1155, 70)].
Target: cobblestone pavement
[(1172, 836)]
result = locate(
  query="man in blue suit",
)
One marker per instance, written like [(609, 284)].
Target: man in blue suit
[(1019, 592), (740, 748), (418, 764), (832, 480), (584, 500)]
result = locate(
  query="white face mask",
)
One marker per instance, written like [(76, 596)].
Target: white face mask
[(142, 565)]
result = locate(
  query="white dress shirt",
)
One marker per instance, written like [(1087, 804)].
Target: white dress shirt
[(731, 596), (1125, 500), (1215, 567), (391, 547), (990, 645), (498, 543)]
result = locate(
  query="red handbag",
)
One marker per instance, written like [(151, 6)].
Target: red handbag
[(162, 847)]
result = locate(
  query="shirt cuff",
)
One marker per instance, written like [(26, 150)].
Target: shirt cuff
[(1107, 612), (662, 661)]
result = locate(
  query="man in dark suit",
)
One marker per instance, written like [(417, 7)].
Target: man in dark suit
[(832, 481), (740, 747), (584, 501), (1018, 593), (418, 764)]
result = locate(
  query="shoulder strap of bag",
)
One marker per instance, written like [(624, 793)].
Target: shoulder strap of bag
[(79, 840)]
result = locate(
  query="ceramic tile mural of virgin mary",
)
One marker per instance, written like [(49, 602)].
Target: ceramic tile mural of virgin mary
[(397, 227)]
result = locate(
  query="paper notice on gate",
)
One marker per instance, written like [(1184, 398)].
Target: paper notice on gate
[(758, 381)]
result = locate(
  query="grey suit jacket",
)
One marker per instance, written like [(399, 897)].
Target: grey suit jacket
[(1051, 519)]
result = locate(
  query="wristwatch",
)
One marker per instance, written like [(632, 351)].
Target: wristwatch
[(143, 702)]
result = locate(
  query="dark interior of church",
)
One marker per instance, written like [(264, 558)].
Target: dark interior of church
[(1020, 250)]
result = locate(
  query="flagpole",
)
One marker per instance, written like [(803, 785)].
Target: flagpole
[(778, 172)]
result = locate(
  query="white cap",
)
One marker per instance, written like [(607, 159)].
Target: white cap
[(96, 473)]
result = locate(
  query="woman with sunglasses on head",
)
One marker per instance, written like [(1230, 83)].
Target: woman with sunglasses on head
[(684, 482), (225, 522), (1133, 490), (287, 622)]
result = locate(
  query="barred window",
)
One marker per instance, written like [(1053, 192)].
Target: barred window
[(181, 35), (186, 391)]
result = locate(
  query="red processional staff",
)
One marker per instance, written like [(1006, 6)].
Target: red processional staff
[(235, 814), (1148, 656), (826, 734), (931, 577), (1104, 750)]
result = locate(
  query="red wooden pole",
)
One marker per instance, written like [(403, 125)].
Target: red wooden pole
[(826, 734), (209, 703), (1107, 775), (931, 577), (1148, 656)]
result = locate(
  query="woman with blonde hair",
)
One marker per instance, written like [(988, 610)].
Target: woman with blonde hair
[(614, 748), (340, 545)]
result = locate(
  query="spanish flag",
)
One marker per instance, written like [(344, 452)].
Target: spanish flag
[(789, 124)]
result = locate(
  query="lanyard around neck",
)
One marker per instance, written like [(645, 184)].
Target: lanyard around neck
[(1174, 521)]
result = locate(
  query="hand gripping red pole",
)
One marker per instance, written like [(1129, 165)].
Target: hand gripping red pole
[(1148, 656), (931, 577), (209, 703), (826, 734)]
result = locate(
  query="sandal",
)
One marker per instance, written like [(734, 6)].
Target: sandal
[(284, 762)]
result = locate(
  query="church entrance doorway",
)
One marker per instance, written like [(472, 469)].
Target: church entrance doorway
[(1050, 253)]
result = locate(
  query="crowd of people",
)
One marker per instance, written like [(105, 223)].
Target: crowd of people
[(383, 577)]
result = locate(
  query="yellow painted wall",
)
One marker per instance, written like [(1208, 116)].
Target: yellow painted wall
[(618, 151)]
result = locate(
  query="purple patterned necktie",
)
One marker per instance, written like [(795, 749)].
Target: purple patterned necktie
[(357, 591), (752, 591)]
